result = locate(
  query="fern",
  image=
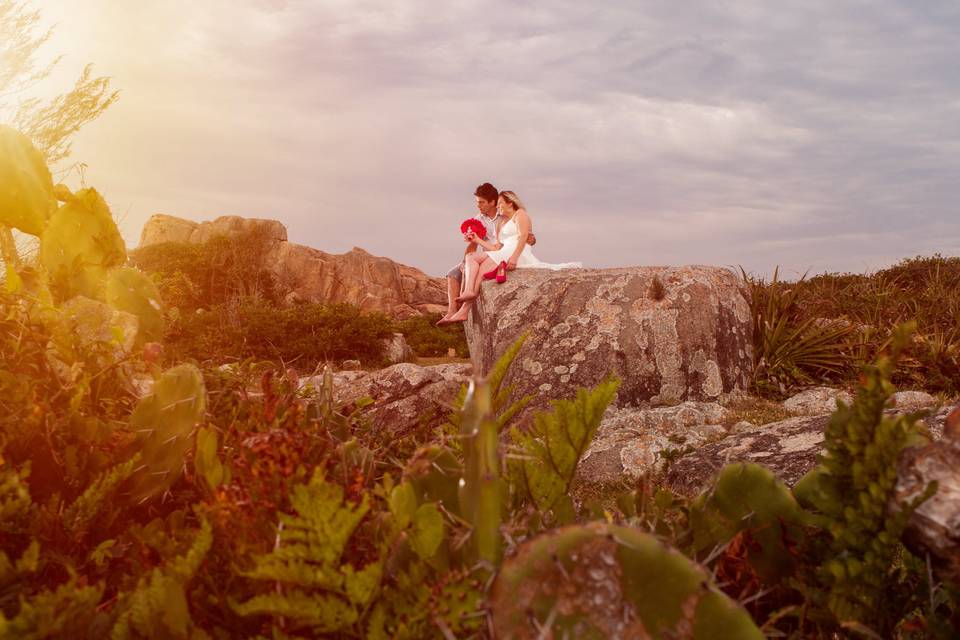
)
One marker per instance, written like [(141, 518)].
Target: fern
[(317, 590), (15, 500), (67, 612), (79, 515), (546, 456), (158, 606)]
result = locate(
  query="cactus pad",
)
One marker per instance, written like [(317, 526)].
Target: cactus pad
[(607, 581), (163, 422), (80, 245), (26, 189), (131, 290)]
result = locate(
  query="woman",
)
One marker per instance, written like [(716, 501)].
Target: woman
[(508, 253)]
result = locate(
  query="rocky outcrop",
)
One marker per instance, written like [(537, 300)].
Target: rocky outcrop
[(406, 397), (790, 448), (632, 442), (670, 334), (305, 274)]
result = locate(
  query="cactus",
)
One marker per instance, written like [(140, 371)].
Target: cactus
[(434, 473), (163, 422), (480, 488), (607, 581), (748, 497), (80, 245), (130, 290), (26, 188)]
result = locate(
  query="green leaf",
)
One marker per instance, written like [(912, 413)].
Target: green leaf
[(427, 533), (403, 504), (206, 462)]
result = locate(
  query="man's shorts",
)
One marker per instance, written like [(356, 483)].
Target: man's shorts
[(456, 273)]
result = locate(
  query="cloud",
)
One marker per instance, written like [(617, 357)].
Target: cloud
[(810, 134)]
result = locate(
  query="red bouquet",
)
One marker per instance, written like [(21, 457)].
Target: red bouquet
[(478, 228)]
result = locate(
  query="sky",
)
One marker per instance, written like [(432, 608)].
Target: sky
[(814, 136)]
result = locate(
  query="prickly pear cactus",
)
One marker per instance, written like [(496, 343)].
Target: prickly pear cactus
[(131, 290), (80, 245), (434, 472), (163, 422), (750, 498), (26, 189), (606, 581)]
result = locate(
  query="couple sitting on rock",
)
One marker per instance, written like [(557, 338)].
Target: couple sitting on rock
[(505, 247)]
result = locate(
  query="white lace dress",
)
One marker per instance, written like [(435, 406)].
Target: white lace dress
[(509, 236)]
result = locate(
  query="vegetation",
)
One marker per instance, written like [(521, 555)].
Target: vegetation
[(143, 497), (49, 124), (224, 306), (826, 328)]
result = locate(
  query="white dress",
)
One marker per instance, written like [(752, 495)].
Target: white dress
[(509, 236)]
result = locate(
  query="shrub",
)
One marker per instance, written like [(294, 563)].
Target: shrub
[(428, 340)]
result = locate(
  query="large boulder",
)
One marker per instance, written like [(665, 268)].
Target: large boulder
[(670, 333), (304, 274)]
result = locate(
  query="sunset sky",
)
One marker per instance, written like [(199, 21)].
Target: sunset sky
[(816, 135)]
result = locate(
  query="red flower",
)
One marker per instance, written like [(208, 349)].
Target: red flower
[(478, 228)]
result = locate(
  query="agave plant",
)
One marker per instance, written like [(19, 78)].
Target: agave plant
[(787, 348)]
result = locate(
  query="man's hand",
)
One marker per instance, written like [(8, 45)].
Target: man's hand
[(531, 239)]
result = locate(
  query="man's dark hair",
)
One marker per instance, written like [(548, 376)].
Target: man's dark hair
[(488, 192)]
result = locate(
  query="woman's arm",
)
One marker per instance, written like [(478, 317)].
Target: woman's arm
[(531, 239), (489, 246), (523, 226)]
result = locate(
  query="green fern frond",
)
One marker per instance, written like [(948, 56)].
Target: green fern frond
[(14, 497), (548, 454), (317, 590), (67, 612), (79, 515), (158, 606)]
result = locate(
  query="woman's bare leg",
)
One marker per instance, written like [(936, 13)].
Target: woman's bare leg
[(471, 285)]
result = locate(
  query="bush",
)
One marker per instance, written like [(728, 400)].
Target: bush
[(428, 340), (305, 334)]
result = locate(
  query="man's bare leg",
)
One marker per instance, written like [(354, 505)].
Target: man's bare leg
[(454, 289)]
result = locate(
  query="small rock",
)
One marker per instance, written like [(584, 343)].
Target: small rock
[(396, 349), (350, 365), (912, 400), (816, 401)]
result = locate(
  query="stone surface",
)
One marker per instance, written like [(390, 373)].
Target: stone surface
[(406, 396), (934, 527), (305, 274), (816, 401), (789, 448), (397, 350), (670, 333), (631, 442), (350, 365), (913, 400)]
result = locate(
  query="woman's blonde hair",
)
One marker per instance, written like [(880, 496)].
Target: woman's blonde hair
[(512, 198)]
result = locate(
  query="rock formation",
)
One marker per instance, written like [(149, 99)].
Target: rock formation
[(310, 275), (790, 448), (670, 334), (406, 397)]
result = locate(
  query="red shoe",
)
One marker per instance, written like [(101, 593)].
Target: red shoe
[(490, 275), (502, 272)]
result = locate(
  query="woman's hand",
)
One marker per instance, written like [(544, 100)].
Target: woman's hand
[(511, 263)]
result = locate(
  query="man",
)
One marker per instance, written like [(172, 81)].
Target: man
[(486, 196)]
